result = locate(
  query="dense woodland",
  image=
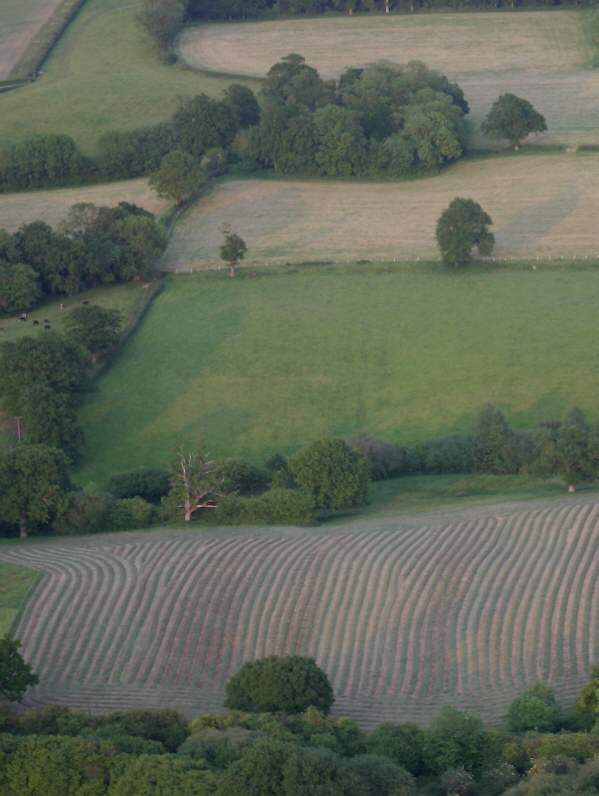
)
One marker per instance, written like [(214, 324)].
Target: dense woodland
[(279, 740)]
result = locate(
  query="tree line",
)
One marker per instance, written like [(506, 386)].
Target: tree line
[(278, 739), (46, 379)]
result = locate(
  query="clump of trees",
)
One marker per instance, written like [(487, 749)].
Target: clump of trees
[(384, 120), (94, 246), (463, 226)]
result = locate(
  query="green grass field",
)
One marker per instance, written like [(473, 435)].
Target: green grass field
[(103, 75), (15, 583), (276, 359)]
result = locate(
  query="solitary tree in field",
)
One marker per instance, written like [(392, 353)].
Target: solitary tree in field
[(178, 177), (460, 228), (513, 118), (195, 482), (288, 684), (233, 251), (15, 675)]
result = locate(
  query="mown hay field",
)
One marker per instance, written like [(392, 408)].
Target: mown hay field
[(467, 609), (279, 357), (538, 55), (20, 21), (103, 74), (541, 206), (53, 206)]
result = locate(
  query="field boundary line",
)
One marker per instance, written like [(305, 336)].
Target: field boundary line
[(27, 67)]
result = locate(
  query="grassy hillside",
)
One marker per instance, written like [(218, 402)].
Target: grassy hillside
[(15, 584), (271, 360), (541, 205), (539, 55), (466, 608), (103, 75)]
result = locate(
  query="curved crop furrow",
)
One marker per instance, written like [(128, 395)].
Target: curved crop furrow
[(546, 635), (431, 647), (473, 598), (418, 604), (157, 607), (338, 625), (256, 568), (335, 595), (585, 611), (257, 573), (374, 610), (184, 577), (50, 618), (277, 607), (544, 606), (396, 599), (203, 636), (162, 615), (132, 603), (501, 579), (573, 596), (324, 582), (473, 569), (509, 599), (529, 601)]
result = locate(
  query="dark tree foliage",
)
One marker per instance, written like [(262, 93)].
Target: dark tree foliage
[(462, 227), (386, 459), (16, 676), (148, 484), (43, 380), (179, 176), (513, 118), (135, 152), (163, 20), (403, 744), (457, 739), (588, 701), (384, 120), (19, 287), (492, 435), (201, 123), (289, 685), (334, 474), (95, 328), (43, 161), (33, 485), (244, 104)]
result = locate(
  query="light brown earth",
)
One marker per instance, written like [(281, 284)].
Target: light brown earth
[(538, 55), (20, 21), (52, 206), (541, 206)]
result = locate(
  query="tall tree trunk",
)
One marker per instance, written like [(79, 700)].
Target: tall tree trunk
[(188, 510), (572, 488), (23, 527), (387, 6), (231, 270)]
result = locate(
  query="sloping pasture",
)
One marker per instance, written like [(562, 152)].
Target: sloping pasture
[(541, 206), (53, 206), (467, 609), (20, 21), (538, 55)]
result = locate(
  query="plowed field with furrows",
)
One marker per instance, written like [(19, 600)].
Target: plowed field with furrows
[(466, 609)]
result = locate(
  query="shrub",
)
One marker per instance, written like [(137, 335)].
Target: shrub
[(451, 454), (536, 710), (382, 777), (289, 685), (335, 475), (242, 478), (579, 746), (403, 744), (385, 459), (129, 513), (83, 513), (149, 484), (165, 726), (275, 507), (219, 748)]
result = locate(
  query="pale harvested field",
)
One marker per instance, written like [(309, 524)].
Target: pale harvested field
[(538, 55), (541, 205), (20, 21), (52, 206), (467, 608)]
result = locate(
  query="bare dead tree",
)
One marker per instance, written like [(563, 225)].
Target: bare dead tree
[(198, 480)]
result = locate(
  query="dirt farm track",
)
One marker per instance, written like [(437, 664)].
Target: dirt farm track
[(466, 607)]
